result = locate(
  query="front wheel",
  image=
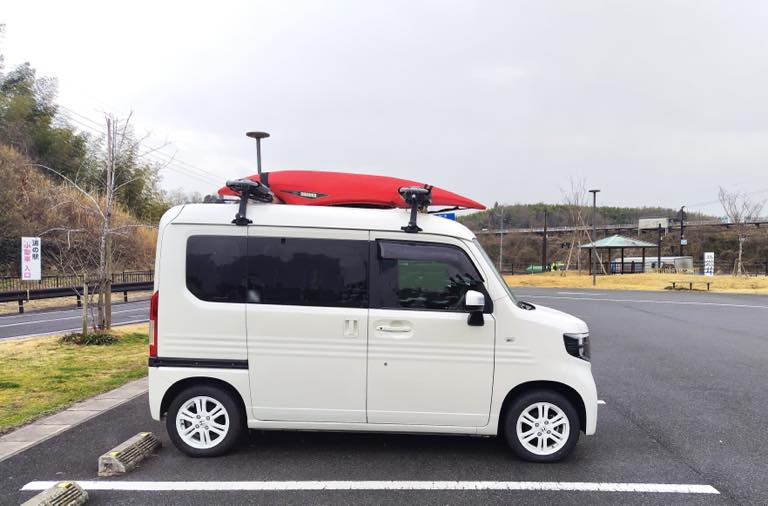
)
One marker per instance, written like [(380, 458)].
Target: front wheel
[(541, 426), (204, 421)]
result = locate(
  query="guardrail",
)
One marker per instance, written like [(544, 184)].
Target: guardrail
[(612, 227), (71, 291), (15, 284)]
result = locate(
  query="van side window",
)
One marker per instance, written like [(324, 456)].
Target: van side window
[(425, 276), (307, 272), (216, 267)]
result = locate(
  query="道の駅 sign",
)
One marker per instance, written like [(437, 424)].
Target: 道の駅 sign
[(30, 258), (709, 263)]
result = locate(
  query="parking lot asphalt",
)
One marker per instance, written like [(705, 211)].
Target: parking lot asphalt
[(683, 378), (37, 323)]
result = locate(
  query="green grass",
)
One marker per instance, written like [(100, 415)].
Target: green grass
[(42, 375)]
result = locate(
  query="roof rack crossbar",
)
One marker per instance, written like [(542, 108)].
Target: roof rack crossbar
[(248, 189), (419, 198)]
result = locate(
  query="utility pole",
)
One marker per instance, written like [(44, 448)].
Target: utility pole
[(658, 251), (594, 232), (544, 245), (501, 236), (682, 230)]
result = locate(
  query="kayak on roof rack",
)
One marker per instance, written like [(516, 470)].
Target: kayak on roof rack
[(322, 188)]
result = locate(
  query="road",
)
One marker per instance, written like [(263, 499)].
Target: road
[(36, 323), (683, 379)]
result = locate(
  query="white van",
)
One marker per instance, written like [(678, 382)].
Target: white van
[(334, 318)]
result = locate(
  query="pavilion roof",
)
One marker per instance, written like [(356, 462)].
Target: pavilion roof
[(618, 241)]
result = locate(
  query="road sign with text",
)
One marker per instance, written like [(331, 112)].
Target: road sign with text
[(709, 263), (31, 250)]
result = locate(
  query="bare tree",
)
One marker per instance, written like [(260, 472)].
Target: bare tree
[(98, 205), (740, 210), (576, 200)]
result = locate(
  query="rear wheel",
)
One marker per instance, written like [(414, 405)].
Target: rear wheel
[(204, 421), (541, 426)]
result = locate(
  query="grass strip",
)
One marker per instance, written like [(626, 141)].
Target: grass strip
[(39, 375), (643, 281)]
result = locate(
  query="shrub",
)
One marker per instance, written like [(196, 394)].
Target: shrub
[(92, 339)]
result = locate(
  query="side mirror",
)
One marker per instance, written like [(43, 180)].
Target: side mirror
[(474, 302)]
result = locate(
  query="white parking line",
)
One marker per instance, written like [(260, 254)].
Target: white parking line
[(556, 486), (650, 301), (600, 401)]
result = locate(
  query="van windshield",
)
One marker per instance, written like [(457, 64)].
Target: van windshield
[(490, 265)]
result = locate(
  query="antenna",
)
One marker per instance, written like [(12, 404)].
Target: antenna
[(258, 136)]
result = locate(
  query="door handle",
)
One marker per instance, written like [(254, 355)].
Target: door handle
[(391, 328)]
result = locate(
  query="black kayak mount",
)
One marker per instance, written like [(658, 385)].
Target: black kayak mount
[(419, 198), (248, 190)]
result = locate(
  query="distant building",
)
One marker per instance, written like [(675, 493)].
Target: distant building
[(681, 264)]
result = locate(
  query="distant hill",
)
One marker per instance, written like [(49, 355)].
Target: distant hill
[(558, 215)]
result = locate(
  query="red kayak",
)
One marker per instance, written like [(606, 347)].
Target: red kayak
[(319, 188)]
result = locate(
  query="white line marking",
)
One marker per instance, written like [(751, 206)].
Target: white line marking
[(69, 318), (154, 486), (649, 301), (77, 309), (114, 324), (600, 401), (579, 293)]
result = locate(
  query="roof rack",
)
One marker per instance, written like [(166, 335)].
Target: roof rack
[(248, 190), (419, 198)]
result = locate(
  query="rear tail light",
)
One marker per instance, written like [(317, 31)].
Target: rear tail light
[(577, 345), (153, 324)]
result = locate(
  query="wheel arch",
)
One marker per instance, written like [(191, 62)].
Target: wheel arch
[(185, 383), (561, 388)]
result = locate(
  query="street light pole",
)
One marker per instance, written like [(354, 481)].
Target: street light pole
[(594, 232), (682, 229)]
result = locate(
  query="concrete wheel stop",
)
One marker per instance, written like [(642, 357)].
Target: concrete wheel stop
[(128, 455), (67, 493)]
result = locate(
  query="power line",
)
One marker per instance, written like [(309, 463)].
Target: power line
[(143, 143), (712, 202), (150, 148), (152, 153)]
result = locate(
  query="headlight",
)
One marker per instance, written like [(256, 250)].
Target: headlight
[(577, 345)]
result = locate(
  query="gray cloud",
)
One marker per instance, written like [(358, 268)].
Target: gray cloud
[(654, 102)]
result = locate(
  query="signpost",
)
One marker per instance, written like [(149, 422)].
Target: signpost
[(709, 263), (31, 250)]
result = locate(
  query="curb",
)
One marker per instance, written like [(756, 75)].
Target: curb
[(36, 432)]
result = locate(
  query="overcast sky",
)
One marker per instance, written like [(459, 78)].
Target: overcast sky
[(655, 103)]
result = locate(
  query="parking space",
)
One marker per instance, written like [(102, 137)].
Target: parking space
[(683, 391), (621, 453)]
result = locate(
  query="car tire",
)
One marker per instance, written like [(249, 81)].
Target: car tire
[(205, 421), (541, 426)]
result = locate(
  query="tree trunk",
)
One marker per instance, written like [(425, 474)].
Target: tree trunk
[(739, 265), (108, 286), (85, 306), (102, 275)]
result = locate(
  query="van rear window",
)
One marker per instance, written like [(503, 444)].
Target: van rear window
[(278, 270), (216, 267)]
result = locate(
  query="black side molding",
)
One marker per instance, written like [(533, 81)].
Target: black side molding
[(197, 362)]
